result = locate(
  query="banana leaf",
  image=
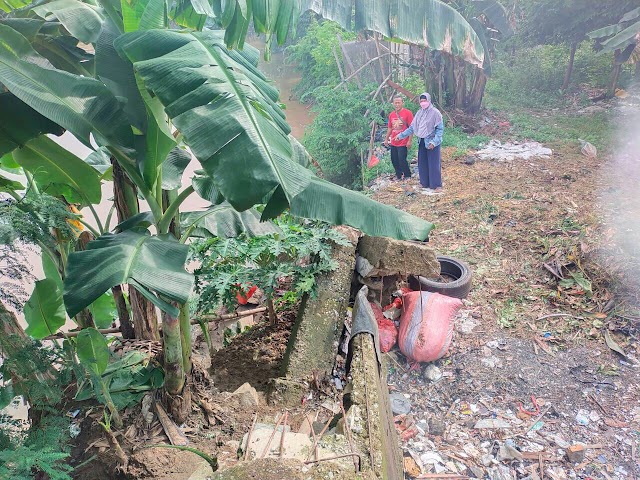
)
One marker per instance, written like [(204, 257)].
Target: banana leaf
[(20, 123), (150, 263), (80, 104)]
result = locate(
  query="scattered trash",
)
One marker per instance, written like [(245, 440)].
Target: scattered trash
[(496, 150), (432, 373), (491, 423), (373, 161), (387, 331), (399, 404), (582, 417), (74, 429), (575, 453), (426, 326), (587, 149), (436, 427)]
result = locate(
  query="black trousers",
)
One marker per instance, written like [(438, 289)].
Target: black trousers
[(399, 161)]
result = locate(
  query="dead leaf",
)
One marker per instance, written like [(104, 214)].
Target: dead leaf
[(612, 422), (611, 343), (411, 467)]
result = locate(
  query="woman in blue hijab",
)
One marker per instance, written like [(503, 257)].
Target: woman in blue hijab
[(428, 126)]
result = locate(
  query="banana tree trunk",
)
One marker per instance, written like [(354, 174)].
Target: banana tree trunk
[(126, 327), (567, 75), (84, 318), (474, 100), (145, 319), (460, 82), (615, 75), (176, 388), (176, 334)]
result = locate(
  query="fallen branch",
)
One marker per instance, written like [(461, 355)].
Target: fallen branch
[(364, 65), (335, 458), (246, 447), (194, 321)]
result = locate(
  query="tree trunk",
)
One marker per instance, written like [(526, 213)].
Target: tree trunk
[(637, 72), (449, 80), (176, 388), (567, 75), (126, 327), (460, 82), (615, 75), (84, 317), (474, 101), (145, 319)]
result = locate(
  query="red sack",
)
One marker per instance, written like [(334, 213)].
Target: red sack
[(373, 161), (426, 326), (387, 331), (244, 298)]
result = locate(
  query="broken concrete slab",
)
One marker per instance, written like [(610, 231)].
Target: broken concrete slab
[(381, 256), (314, 338), (247, 396), (369, 417)]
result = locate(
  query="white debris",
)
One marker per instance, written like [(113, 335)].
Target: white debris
[(503, 152)]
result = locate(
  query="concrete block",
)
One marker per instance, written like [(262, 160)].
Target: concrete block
[(381, 256)]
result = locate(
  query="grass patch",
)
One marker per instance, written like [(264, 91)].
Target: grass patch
[(563, 129)]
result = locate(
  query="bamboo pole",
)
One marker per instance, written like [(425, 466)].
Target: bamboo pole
[(347, 59)]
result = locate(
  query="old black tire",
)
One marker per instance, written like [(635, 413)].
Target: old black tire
[(454, 281)]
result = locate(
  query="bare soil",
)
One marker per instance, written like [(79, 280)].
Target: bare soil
[(529, 229)]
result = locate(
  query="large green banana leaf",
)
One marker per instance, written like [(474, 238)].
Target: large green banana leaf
[(82, 20), (82, 105), (323, 200), (225, 222), (57, 170), (223, 115), (497, 15), (8, 185), (51, 40), (150, 263), (431, 23), (19, 123), (44, 311), (9, 5)]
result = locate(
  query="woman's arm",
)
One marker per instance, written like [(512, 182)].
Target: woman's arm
[(437, 138), (405, 134)]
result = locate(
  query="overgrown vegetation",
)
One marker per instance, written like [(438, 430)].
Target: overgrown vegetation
[(340, 132), (313, 55), (283, 265)]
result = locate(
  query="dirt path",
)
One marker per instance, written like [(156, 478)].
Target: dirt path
[(525, 332)]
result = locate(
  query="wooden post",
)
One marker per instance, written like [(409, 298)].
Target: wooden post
[(335, 55)]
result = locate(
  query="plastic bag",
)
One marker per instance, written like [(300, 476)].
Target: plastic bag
[(373, 161), (387, 330), (426, 325)]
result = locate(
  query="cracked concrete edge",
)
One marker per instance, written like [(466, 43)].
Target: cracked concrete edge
[(370, 416), (318, 326)]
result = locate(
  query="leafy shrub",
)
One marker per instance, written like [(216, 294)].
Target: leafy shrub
[(340, 131), (45, 449), (313, 56), (534, 77), (231, 266)]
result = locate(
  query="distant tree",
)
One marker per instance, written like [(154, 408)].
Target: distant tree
[(568, 22)]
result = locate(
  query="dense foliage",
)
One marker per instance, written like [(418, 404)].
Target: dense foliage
[(341, 131), (314, 56), (289, 260)]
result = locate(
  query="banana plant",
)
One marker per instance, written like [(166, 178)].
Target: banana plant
[(154, 92)]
